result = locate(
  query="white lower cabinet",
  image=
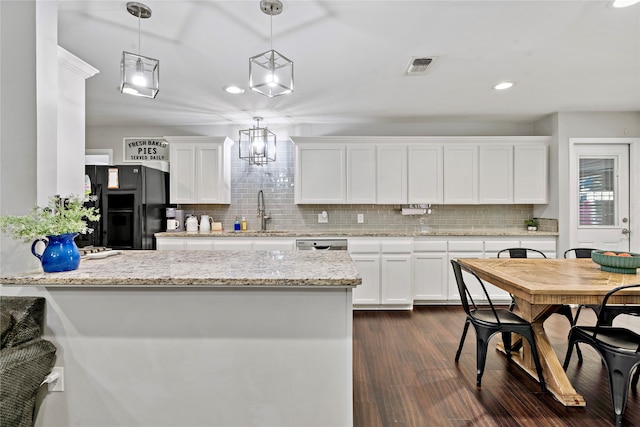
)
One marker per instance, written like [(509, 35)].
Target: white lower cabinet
[(396, 280), (368, 293), (385, 267), (430, 264), (171, 244)]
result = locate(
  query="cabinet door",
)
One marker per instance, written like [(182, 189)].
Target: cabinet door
[(368, 293), (208, 173), (461, 174), (182, 177), (474, 287), (361, 174), (391, 174), (266, 244), (320, 174), (495, 174), (530, 168), (170, 244), (396, 279), (425, 174), (199, 244), (234, 244), (430, 276)]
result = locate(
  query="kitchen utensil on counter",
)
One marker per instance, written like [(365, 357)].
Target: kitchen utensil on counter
[(192, 224), (180, 219), (205, 223), (172, 225)]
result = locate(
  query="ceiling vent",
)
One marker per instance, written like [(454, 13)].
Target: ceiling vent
[(419, 65)]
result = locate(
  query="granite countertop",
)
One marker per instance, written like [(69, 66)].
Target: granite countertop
[(204, 268), (329, 233)]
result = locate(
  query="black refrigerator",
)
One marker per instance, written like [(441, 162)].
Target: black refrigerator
[(131, 200)]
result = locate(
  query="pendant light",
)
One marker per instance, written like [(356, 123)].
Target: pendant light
[(257, 145), (139, 75), (271, 73)]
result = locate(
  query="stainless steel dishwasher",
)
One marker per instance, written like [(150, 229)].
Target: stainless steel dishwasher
[(321, 244)]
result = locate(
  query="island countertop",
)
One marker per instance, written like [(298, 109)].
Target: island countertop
[(204, 268)]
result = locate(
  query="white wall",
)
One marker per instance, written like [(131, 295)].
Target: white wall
[(47, 99), (579, 125), (70, 139), (18, 125)]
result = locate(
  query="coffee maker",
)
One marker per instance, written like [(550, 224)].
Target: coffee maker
[(175, 219)]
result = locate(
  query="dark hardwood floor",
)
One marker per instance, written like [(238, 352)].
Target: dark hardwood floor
[(405, 375)]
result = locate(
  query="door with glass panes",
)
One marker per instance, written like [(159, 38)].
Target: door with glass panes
[(600, 196)]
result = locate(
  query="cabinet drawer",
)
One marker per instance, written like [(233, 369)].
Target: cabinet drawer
[(359, 247), (496, 246), (466, 246), (396, 247), (425, 246)]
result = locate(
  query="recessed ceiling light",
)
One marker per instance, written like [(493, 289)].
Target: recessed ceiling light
[(233, 90), (503, 85), (624, 3)]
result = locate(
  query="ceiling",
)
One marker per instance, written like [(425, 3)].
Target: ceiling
[(351, 57)]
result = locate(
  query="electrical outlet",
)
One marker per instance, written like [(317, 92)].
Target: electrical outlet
[(360, 218), (57, 384), (323, 217)]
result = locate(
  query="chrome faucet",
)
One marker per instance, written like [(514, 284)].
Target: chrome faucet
[(261, 212)]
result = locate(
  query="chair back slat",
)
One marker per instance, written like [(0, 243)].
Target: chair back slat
[(580, 252), (520, 252)]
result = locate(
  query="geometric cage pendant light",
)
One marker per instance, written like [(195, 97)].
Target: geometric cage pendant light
[(139, 75), (257, 145), (270, 72)]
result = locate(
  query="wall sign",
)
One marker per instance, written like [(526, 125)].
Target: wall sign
[(144, 149)]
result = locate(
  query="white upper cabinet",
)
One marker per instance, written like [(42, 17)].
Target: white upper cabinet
[(320, 173), (460, 174), (421, 170), (425, 174), (361, 174), (391, 174), (200, 169), (531, 177), (495, 174)]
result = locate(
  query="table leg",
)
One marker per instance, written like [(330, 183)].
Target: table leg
[(555, 377)]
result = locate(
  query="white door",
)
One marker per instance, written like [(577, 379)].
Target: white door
[(600, 196)]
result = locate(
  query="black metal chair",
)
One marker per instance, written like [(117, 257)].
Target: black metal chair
[(488, 322), (619, 349), (519, 253)]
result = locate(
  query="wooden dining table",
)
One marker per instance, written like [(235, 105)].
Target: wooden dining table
[(540, 287)]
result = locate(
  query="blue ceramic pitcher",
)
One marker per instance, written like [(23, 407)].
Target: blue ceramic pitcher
[(60, 254)]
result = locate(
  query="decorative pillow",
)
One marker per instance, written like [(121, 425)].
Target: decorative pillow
[(28, 317)]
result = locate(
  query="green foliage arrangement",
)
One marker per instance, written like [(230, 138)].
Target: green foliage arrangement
[(531, 222), (61, 216)]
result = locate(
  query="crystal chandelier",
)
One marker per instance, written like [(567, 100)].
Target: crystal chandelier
[(257, 145), (271, 73), (139, 75)]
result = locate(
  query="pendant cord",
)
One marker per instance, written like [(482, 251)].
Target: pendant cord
[(271, 27), (139, 47)]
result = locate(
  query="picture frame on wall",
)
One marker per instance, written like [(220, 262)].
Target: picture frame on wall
[(145, 149)]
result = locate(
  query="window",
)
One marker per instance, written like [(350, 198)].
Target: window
[(597, 191)]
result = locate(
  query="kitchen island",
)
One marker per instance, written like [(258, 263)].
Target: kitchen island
[(200, 338)]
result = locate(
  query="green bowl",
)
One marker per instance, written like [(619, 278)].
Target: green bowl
[(616, 264)]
